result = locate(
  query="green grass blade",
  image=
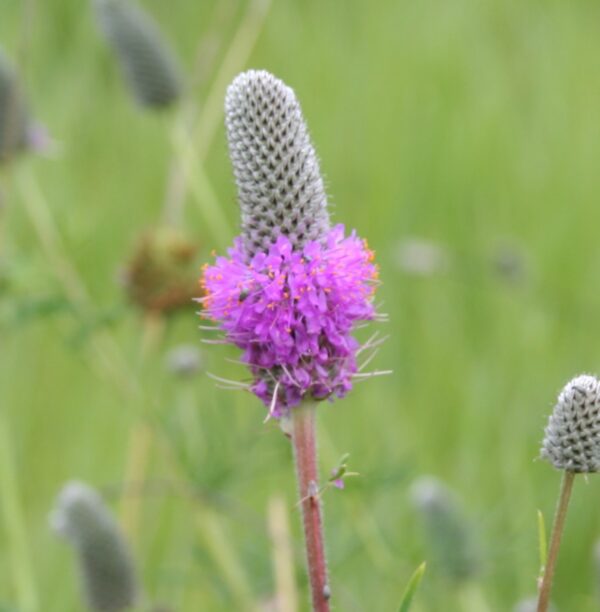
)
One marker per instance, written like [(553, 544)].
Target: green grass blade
[(411, 588), (11, 515), (542, 541)]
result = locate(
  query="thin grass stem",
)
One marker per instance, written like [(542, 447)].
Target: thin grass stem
[(191, 151), (282, 555), (237, 54), (16, 534), (214, 536), (140, 443)]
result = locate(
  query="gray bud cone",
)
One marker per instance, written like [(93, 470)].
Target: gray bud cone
[(107, 570), (572, 436), (14, 117), (450, 537), (147, 62), (279, 183)]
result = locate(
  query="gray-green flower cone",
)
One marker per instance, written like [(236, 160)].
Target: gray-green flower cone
[(572, 436), (449, 535), (276, 169), (105, 563), (147, 62)]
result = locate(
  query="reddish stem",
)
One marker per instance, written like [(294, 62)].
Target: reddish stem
[(305, 453)]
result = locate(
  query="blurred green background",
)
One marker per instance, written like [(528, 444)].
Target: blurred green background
[(466, 129)]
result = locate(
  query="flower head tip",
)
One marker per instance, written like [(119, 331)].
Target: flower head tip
[(275, 165)]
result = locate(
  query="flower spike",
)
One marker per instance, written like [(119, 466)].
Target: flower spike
[(292, 287)]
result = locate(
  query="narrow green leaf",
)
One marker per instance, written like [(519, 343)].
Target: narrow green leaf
[(411, 588), (542, 541)]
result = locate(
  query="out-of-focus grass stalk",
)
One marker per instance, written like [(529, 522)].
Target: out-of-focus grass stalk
[(108, 353), (471, 598), (139, 446), (202, 190), (136, 464), (206, 54), (175, 190), (38, 211), (237, 54), (50, 240), (211, 531), (366, 527), (109, 357), (282, 555), (191, 151), (16, 535)]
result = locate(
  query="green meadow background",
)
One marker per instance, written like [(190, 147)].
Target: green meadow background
[(473, 125)]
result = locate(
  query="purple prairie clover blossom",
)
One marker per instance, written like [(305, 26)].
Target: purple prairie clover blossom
[(292, 313), (292, 287)]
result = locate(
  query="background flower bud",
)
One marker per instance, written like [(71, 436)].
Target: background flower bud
[(14, 116), (184, 361), (107, 570), (160, 275), (448, 533), (148, 65)]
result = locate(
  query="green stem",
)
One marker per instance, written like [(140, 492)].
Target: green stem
[(557, 531), (218, 544), (15, 526)]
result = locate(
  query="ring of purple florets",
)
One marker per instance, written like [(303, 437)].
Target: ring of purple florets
[(292, 313)]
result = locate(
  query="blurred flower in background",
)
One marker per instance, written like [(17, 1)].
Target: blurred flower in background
[(161, 274), (108, 573), (148, 64), (16, 127), (420, 257), (449, 536)]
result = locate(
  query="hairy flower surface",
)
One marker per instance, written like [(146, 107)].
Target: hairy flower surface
[(292, 287), (572, 436), (276, 169), (107, 569), (292, 313)]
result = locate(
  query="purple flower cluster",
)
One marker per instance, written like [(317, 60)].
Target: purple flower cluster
[(292, 312)]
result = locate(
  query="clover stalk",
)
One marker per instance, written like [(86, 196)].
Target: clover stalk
[(557, 531), (292, 286)]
